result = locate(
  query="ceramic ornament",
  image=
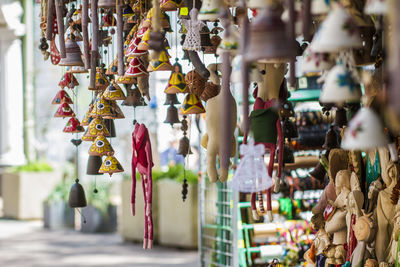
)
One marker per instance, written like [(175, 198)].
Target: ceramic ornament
[(133, 50), (170, 5), (320, 7), (176, 83), (97, 128), (193, 26), (100, 147), (64, 111), (316, 62), (114, 92), (61, 96), (126, 80), (76, 69), (133, 98), (101, 81), (73, 54), (364, 132), (376, 7), (172, 115), (116, 111), (101, 108), (251, 175), (68, 80), (338, 32), (340, 87), (73, 33), (111, 165), (136, 68), (192, 105), (55, 56), (210, 10), (113, 67), (161, 63), (87, 118), (144, 41), (73, 126), (142, 161)]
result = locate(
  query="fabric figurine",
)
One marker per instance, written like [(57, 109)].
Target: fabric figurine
[(142, 161), (251, 175), (193, 26)]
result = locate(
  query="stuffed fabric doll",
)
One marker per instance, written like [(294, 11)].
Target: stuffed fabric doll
[(142, 161)]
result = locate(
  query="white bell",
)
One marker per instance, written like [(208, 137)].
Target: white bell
[(338, 32), (320, 7), (376, 7), (236, 76), (210, 10), (316, 62), (340, 87), (364, 132)]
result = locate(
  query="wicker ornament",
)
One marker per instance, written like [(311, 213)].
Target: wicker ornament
[(195, 82), (73, 126), (111, 165), (61, 96), (100, 147), (211, 90)]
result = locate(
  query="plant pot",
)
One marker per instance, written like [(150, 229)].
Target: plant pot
[(58, 215), (178, 220), (24, 193), (98, 222), (132, 227)]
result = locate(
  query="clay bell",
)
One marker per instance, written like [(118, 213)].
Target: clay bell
[(93, 165), (184, 147), (74, 54), (318, 172), (109, 123), (106, 3), (133, 98), (77, 198), (269, 40), (331, 139), (289, 129), (340, 118), (172, 115), (171, 99)]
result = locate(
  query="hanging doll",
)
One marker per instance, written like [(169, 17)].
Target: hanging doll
[(193, 26), (176, 82), (266, 125), (143, 162)]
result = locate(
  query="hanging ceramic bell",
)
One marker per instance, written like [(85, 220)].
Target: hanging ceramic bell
[(176, 83), (101, 108), (211, 90), (77, 198), (320, 7), (74, 54), (161, 63), (64, 110), (318, 172), (338, 32), (268, 28), (184, 147), (364, 132), (114, 92), (93, 165), (136, 68), (316, 62), (116, 111), (61, 96), (101, 80), (87, 118), (96, 128), (376, 7), (170, 5), (110, 125), (113, 67), (126, 80), (172, 115), (192, 105), (171, 99), (68, 80), (106, 3), (340, 117), (144, 42), (210, 10), (331, 139), (73, 126), (134, 98), (133, 50), (111, 165), (340, 87), (100, 147)]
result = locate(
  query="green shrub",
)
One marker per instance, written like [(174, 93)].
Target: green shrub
[(174, 172), (100, 200), (60, 192), (35, 166)]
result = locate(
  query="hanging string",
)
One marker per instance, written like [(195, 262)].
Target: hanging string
[(83, 216)]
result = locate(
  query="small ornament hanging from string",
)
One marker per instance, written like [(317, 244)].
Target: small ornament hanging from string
[(184, 150)]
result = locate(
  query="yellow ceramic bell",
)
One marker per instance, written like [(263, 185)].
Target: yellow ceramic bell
[(100, 147), (111, 165), (86, 119), (101, 108), (161, 63), (176, 82), (192, 105), (96, 128), (114, 92)]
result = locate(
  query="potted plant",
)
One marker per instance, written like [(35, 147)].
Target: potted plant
[(100, 216), (178, 219), (132, 227), (25, 188), (56, 212)]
